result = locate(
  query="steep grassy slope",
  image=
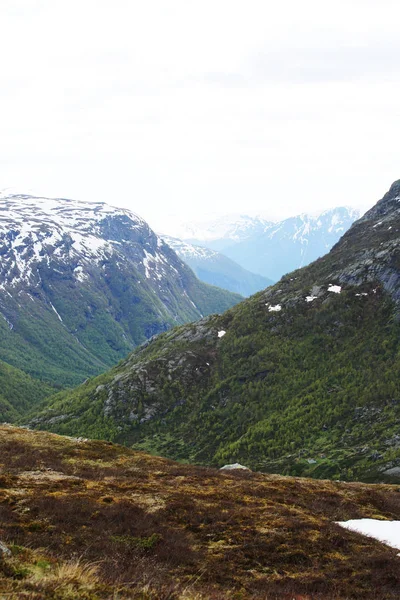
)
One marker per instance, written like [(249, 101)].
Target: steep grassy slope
[(19, 392), (90, 520)]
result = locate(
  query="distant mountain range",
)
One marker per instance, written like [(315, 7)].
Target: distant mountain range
[(216, 269), (267, 248), (81, 284), (301, 378)]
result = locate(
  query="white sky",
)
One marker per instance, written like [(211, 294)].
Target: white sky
[(188, 107)]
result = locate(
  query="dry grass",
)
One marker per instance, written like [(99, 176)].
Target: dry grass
[(95, 520)]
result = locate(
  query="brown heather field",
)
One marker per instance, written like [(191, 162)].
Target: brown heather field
[(93, 520)]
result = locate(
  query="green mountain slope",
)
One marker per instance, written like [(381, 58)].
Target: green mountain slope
[(302, 378), (19, 392)]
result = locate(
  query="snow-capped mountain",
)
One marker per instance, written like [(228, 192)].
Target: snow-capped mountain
[(273, 249), (83, 283), (216, 269), (219, 232)]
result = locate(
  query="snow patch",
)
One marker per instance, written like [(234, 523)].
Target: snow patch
[(275, 308), (387, 532), (221, 333), (336, 289), (53, 307), (79, 274), (311, 298), (10, 325)]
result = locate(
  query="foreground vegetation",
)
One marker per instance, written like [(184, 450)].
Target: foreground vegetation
[(93, 520)]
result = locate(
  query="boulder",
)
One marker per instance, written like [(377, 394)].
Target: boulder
[(4, 551), (394, 472), (233, 467)]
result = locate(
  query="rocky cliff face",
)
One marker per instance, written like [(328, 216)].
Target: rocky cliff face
[(370, 250), (82, 283)]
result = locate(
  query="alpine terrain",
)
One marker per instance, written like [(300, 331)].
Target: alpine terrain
[(301, 379), (81, 284), (272, 249), (216, 269)]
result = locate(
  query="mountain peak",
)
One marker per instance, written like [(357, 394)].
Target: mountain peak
[(388, 206)]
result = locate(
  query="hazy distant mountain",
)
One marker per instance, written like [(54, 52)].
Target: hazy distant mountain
[(216, 269), (272, 249), (222, 232)]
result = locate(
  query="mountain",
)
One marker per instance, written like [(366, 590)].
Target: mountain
[(273, 249), (91, 520), (81, 284), (301, 379), (221, 232), (292, 243), (216, 269)]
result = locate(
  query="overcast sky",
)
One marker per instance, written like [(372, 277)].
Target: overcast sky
[(191, 107)]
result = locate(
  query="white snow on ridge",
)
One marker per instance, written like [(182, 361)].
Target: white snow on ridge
[(35, 228), (221, 333), (387, 532), (311, 298), (146, 262)]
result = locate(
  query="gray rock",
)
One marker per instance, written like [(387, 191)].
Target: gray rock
[(375, 455), (394, 471), (316, 291), (4, 551), (233, 467)]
